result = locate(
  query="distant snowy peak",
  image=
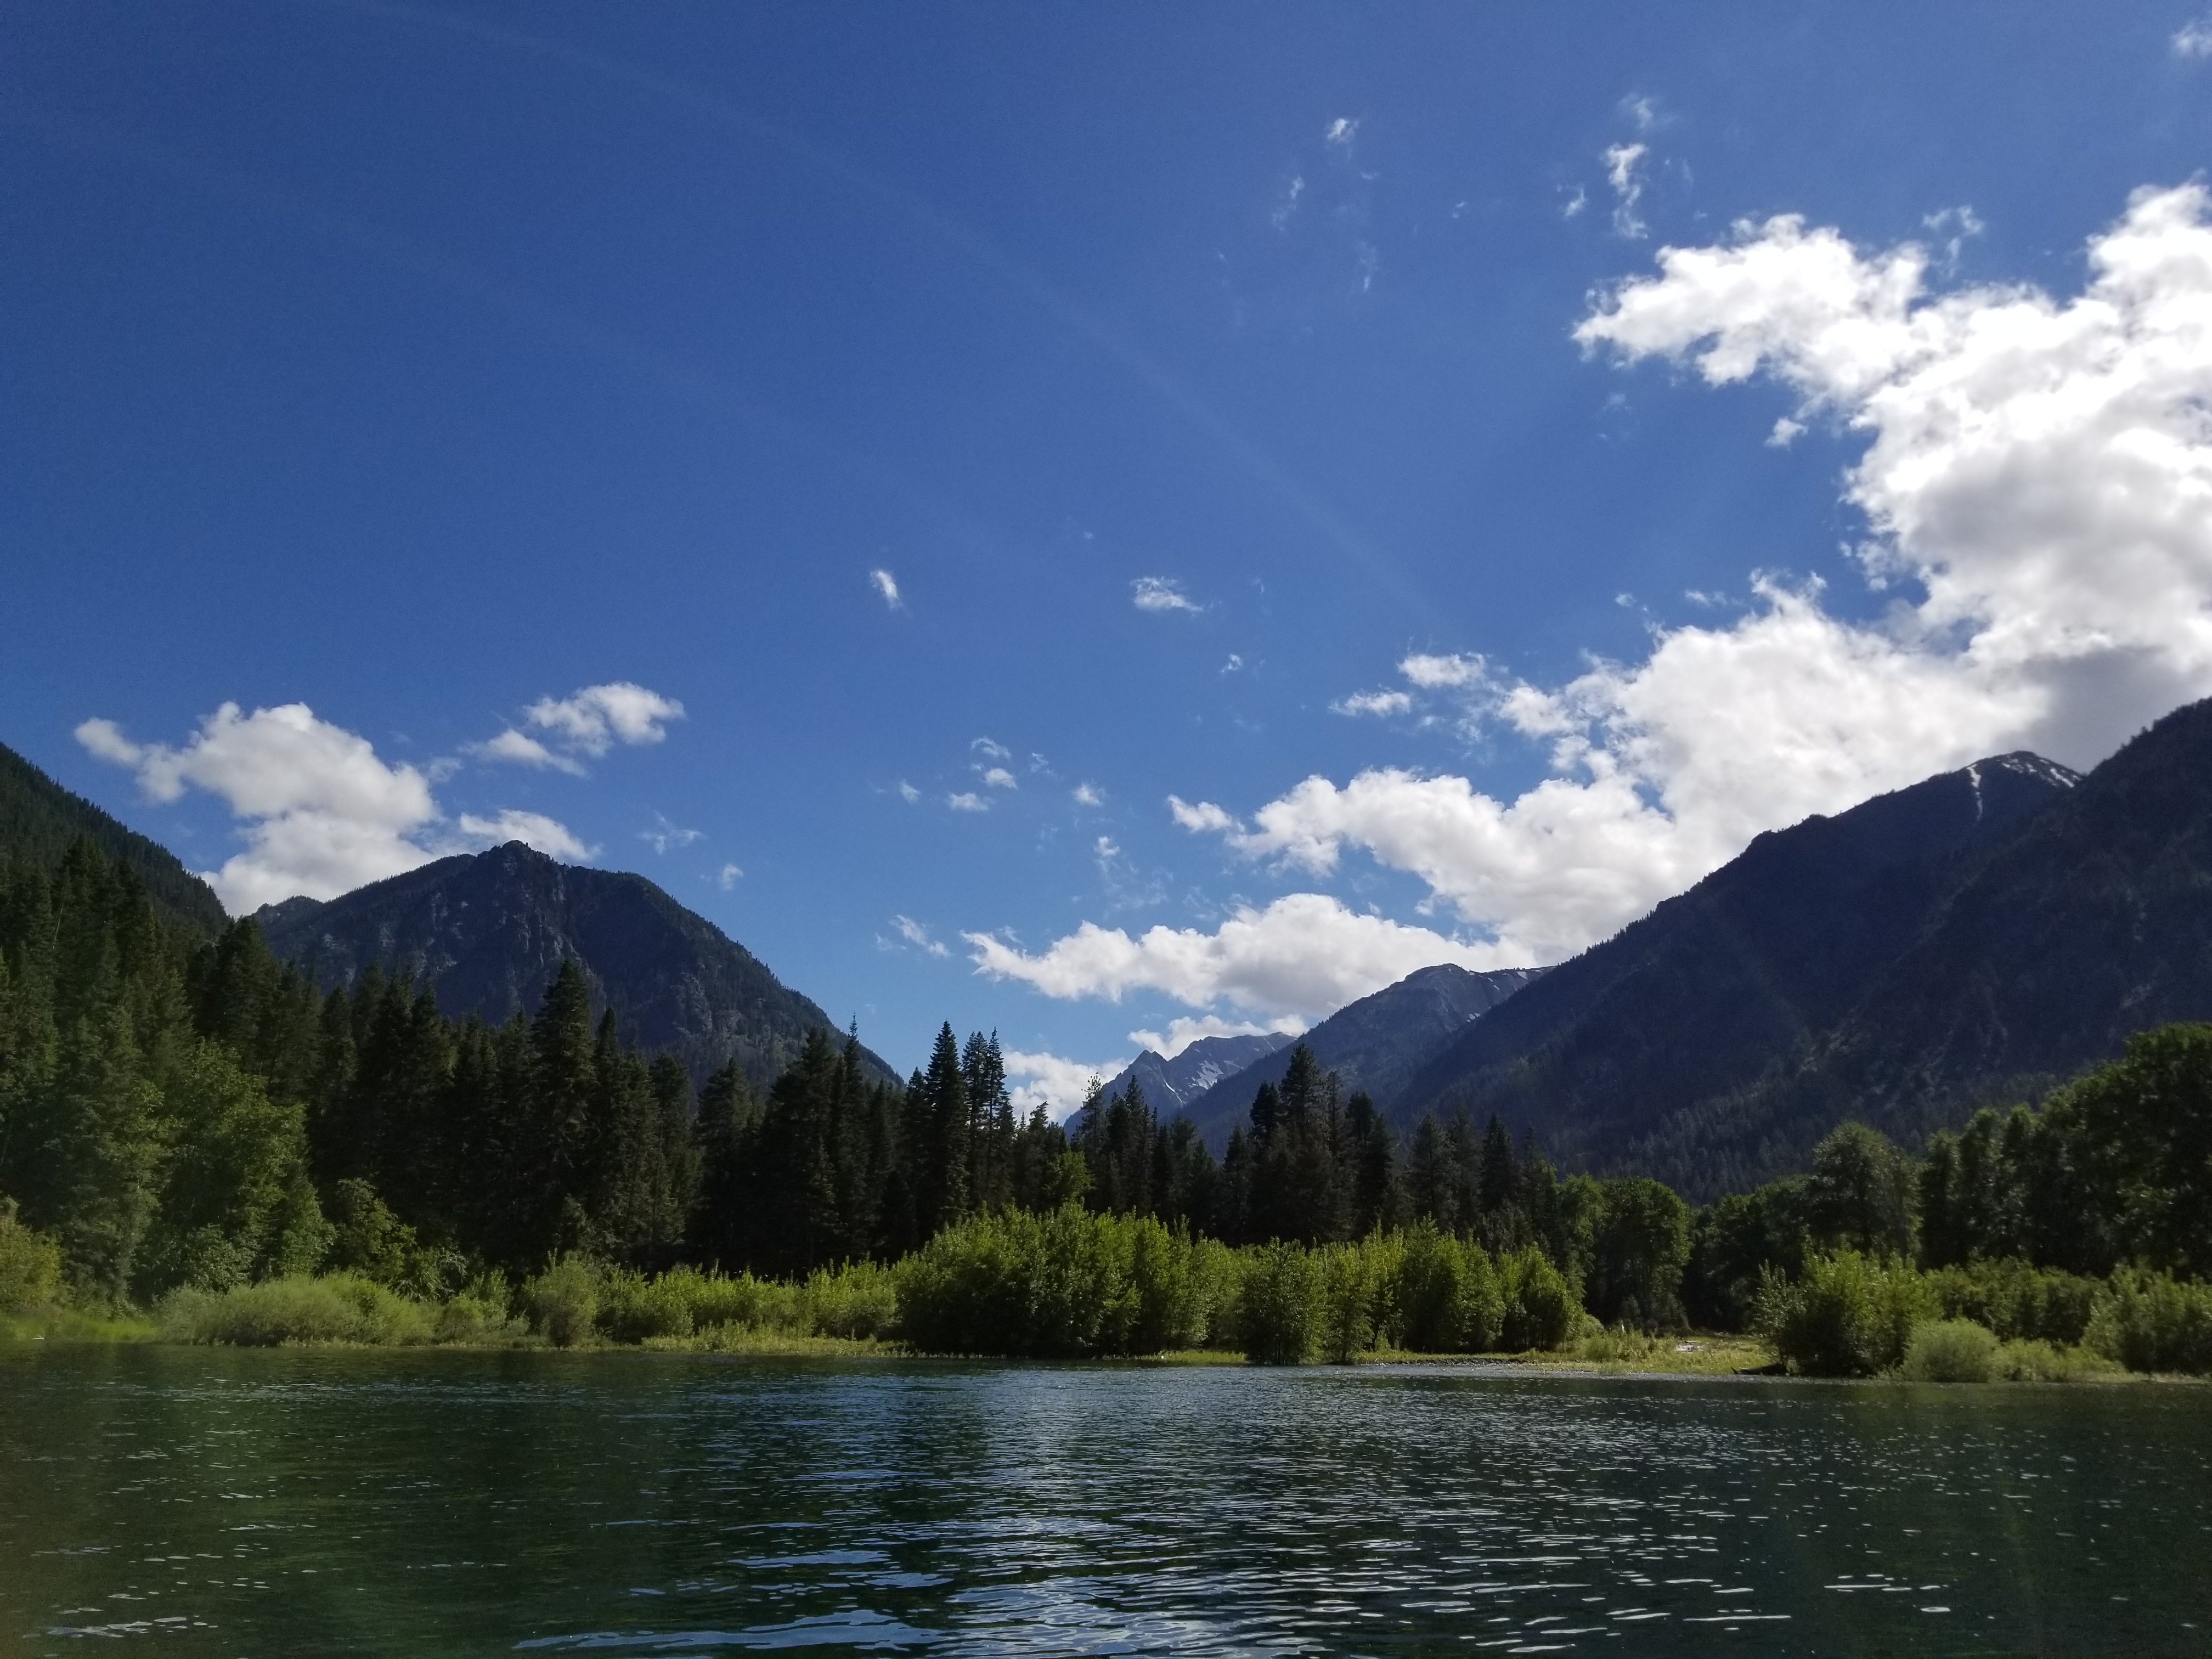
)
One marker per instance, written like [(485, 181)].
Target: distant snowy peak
[(2028, 765), (1170, 1085)]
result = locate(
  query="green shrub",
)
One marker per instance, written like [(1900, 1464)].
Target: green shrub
[(1848, 1315), (2017, 1301), (1950, 1351), (1448, 1298), (1065, 1285), (1540, 1308), (2152, 1323), (1356, 1282), (2037, 1361), (476, 1315), (30, 1265), (334, 1308), (857, 1300), (1278, 1305), (562, 1303)]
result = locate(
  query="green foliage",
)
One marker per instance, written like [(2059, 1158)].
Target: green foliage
[(1448, 1299), (1278, 1305), (1950, 1351), (562, 1303), (1540, 1309), (1861, 1194), (335, 1308), (1735, 1242), (1848, 1315), (2017, 1301), (30, 1265), (1067, 1284), (2150, 1321), (1640, 1246), (2034, 1361)]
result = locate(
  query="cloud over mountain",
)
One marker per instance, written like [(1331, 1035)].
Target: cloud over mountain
[(2037, 489)]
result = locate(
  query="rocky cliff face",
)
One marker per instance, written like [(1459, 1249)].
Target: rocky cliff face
[(489, 931)]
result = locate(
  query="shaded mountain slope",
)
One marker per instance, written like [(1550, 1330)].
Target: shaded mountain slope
[(1375, 1043), (489, 930), (1715, 989), (2091, 921), (40, 820)]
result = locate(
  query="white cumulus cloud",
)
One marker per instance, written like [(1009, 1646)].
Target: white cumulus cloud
[(1373, 702), (1305, 954), (535, 830), (967, 800), (2036, 480), (321, 813), (1160, 593), (887, 585), (520, 748), (1058, 1085), (1434, 673), (2194, 38), (1182, 1031), (595, 719)]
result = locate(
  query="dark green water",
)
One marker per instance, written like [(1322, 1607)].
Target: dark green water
[(206, 1502)]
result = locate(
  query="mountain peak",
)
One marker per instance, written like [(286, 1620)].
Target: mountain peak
[(487, 931)]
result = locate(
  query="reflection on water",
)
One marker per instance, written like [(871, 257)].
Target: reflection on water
[(225, 1502)]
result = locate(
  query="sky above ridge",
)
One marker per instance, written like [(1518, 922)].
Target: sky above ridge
[(1104, 523)]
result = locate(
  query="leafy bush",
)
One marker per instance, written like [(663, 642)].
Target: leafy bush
[(1540, 1308), (1357, 1281), (1950, 1351), (1065, 1285), (562, 1303), (2152, 1323), (334, 1308), (2017, 1301), (30, 1265), (1847, 1316), (1278, 1305), (1447, 1299), (857, 1300), (2037, 1361)]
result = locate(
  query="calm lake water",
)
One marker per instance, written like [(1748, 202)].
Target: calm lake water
[(221, 1502)]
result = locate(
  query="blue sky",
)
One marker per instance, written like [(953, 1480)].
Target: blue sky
[(1244, 472)]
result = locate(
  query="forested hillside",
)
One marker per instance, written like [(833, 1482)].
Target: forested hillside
[(40, 821), (1632, 1054), (487, 932)]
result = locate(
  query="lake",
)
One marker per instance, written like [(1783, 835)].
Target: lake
[(236, 1502)]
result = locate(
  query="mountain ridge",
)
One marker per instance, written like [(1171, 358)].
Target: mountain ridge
[(1643, 1041), (1372, 1043), (487, 931)]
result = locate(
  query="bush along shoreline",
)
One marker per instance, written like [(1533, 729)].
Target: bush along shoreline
[(1075, 1284), (204, 1144)]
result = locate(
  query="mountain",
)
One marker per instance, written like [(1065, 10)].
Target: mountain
[(1375, 1043), (1171, 1085), (488, 930), (40, 821), (1648, 1051)]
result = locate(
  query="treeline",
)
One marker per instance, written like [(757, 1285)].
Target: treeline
[(176, 1112), (179, 1112)]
